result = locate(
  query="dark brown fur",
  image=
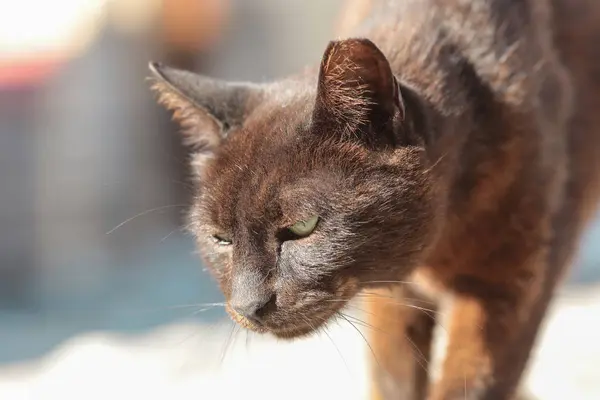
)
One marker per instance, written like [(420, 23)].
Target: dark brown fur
[(461, 151)]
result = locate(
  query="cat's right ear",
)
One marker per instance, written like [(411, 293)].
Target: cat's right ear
[(206, 108)]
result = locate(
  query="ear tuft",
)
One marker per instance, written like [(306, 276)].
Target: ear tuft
[(200, 132), (356, 86), (341, 88), (206, 108)]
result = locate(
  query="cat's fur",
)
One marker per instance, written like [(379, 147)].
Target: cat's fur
[(460, 151)]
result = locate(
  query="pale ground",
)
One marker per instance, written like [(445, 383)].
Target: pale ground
[(183, 361)]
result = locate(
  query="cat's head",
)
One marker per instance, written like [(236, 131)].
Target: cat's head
[(307, 191)]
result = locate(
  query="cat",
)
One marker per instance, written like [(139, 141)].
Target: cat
[(445, 151)]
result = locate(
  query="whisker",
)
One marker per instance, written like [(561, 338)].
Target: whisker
[(391, 281), (186, 185), (227, 343), (392, 298), (432, 317), (144, 213), (365, 324), (185, 361), (186, 338), (428, 170), (201, 311), (205, 306), (170, 233), (194, 309), (338, 351), (362, 310), (196, 305), (389, 300), (324, 330), (421, 357), (432, 314), (247, 338), (376, 296), (425, 311), (417, 299), (363, 336), (236, 333)]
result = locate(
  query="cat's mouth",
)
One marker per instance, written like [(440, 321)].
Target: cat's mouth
[(298, 326), (245, 322), (296, 322), (295, 332)]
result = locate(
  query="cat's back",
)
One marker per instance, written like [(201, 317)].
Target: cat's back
[(410, 33), (577, 39)]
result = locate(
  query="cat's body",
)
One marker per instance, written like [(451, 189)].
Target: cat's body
[(473, 176), (523, 196)]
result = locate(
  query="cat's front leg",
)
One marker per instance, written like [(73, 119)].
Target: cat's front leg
[(491, 333), (400, 337)]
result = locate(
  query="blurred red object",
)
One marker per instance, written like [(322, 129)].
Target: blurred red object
[(28, 72), (33, 45)]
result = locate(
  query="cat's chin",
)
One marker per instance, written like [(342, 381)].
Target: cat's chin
[(294, 333), (291, 332), (280, 332), (244, 322)]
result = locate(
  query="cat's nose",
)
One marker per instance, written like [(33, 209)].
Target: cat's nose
[(254, 308)]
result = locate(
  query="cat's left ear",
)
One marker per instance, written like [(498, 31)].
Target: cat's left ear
[(357, 92), (206, 108)]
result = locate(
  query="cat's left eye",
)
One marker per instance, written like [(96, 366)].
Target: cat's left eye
[(222, 240), (305, 227)]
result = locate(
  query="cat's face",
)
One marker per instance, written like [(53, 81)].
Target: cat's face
[(304, 196)]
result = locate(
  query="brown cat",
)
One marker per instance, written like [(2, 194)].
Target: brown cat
[(458, 147)]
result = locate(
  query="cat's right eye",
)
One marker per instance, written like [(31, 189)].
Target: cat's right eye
[(222, 240), (305, 227)]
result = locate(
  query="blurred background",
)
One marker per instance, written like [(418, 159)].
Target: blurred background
[(95, 271)]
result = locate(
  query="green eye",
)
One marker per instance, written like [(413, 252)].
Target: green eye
[(222, 240), (304, 228)]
